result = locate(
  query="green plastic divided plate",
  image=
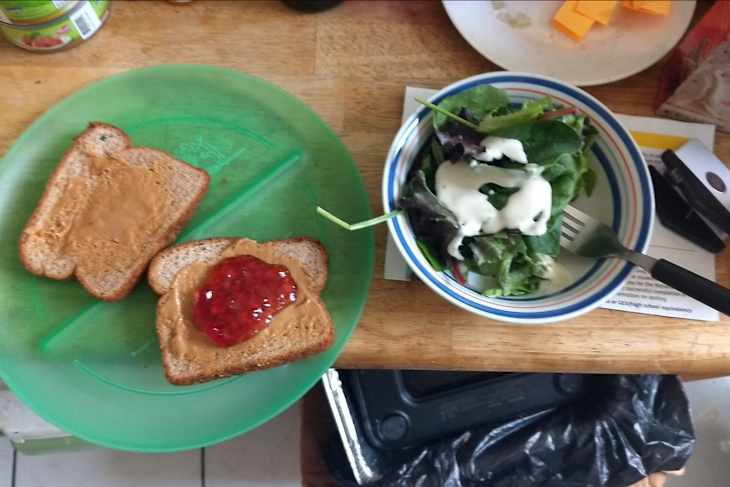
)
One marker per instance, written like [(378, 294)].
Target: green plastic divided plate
[(92, 368)]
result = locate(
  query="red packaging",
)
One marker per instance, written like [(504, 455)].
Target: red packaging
[(695, 84)]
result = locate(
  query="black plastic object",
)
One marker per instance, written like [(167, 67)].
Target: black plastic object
[(311, 6), (694, 285), (678, 216), (403, 409), (624, 429), (696, 193)]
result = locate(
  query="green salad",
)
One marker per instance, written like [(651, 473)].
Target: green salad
[(487, 191)]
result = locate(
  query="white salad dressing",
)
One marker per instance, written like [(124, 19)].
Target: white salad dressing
[(496, 147), (527, 210)]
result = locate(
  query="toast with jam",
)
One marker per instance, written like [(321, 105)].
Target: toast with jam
[(230, 306)]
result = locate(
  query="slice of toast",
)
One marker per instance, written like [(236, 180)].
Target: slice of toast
[(300, 330), (107, 209)]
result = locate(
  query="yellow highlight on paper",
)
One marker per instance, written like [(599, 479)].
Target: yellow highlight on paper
[(658, 141)]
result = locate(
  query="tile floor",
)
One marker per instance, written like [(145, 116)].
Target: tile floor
[(6, 463), (266, 457), (269, 456), (710, 464)]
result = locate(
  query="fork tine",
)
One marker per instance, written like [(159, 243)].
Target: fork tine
[(574, 227), (576, 216), (568, 236), (578, 228), (570, 228), (566, 241)]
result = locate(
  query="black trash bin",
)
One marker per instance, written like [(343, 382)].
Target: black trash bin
[(436, 429)]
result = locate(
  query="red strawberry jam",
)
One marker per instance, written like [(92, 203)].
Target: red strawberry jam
[(239, 297)]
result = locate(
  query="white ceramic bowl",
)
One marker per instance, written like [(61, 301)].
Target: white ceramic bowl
[(623, 198)]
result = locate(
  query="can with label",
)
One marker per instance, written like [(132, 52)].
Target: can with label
[(82, 21), (26, 12)]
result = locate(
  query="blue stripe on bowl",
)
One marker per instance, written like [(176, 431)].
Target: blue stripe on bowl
[(640, 172)]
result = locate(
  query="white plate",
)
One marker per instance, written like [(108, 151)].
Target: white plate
[(519, 36)]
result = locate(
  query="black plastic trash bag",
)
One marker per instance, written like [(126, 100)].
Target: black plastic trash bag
[(624, 429)]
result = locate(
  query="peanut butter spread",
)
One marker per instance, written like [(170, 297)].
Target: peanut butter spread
[(181, 337), (108, 216)]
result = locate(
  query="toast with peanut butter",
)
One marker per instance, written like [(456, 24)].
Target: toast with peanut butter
[(107, 209), (299, 330)]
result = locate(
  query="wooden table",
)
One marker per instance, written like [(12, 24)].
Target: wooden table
[(351, 65)]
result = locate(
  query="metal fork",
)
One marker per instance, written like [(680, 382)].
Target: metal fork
[(585, 236)]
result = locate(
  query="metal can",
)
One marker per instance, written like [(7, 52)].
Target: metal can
[(26, 12), (72, 28)]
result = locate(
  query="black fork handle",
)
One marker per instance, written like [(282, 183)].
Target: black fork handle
[(693, 285)]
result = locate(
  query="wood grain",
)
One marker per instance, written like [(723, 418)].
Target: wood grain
[(351, 65)]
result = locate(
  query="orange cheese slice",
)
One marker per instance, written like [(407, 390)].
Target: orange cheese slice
[(629, 4), (655, 7), (570, 22), (598, 10)]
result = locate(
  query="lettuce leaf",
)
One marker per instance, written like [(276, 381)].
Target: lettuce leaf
[(497, 195), (543, 141), (434, 225), (506, 258), (529, 111), (478, 102), (549, 242)]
